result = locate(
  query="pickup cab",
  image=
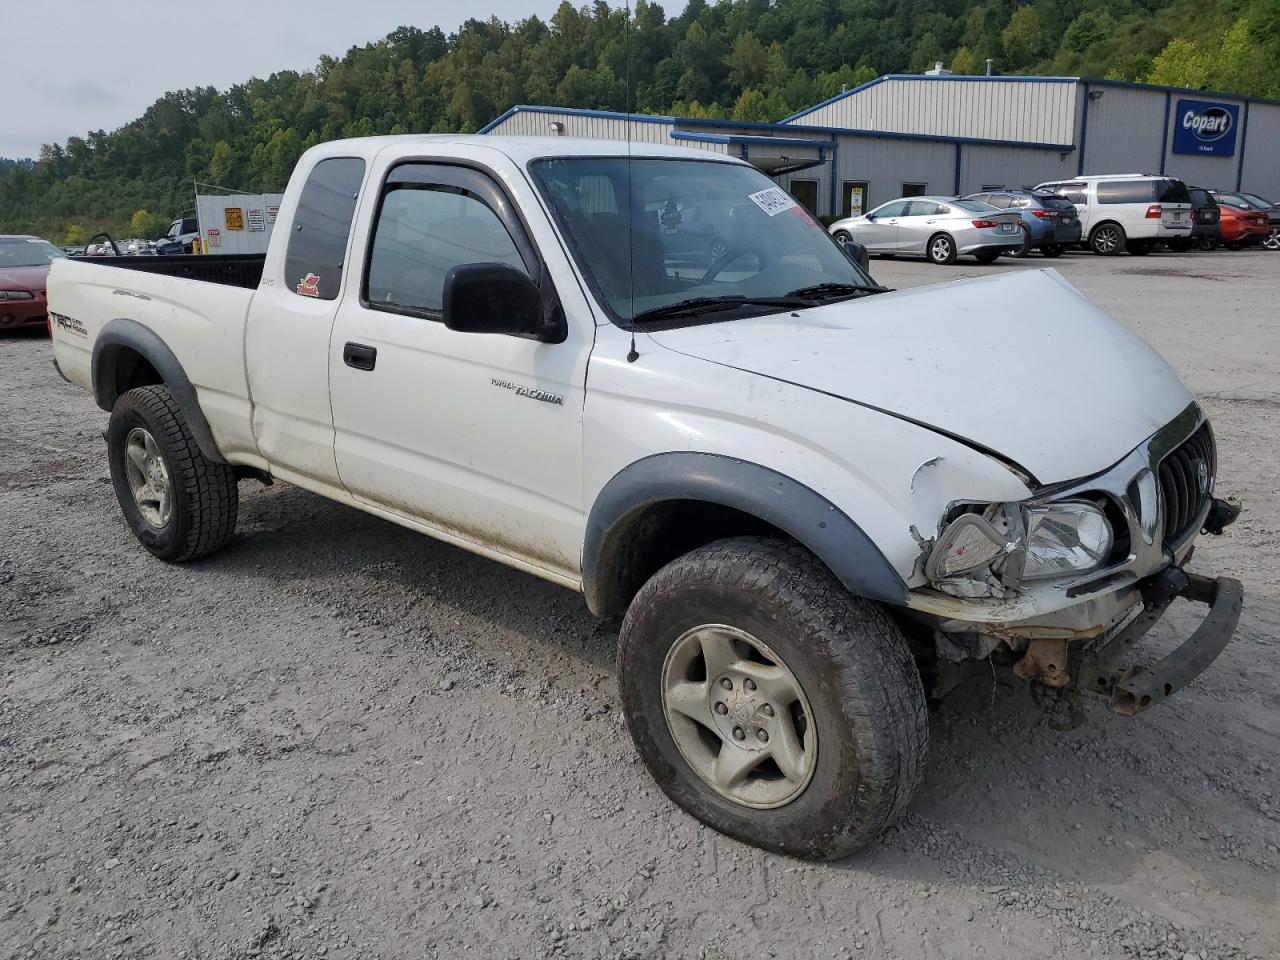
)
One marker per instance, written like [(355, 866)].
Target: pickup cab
[(813, 502)]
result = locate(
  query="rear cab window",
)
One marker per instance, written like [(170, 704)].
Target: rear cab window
[(1127, 191), (315, 260)]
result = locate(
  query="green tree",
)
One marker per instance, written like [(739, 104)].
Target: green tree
[(76, 235), (1180, 65), (964, 61), (1022, 38), (142, 224)]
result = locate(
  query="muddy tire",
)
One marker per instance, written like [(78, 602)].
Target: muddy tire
[(768, 702), (179, 504)]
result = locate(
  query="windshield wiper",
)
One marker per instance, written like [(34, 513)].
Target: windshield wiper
[(824, 290), (695, 306)]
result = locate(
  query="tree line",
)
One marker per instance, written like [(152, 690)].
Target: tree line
[(738, 59)]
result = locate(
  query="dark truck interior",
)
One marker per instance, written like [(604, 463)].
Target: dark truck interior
[(241, 270)]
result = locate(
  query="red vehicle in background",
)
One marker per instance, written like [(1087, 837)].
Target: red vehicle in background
[(1240, 224), (24, 272)]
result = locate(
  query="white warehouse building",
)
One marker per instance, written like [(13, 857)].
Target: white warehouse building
[(947, 134)]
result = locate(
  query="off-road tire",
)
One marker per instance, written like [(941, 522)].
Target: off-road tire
[(205, 495), (1107, 239), (941, 249), (850, 659)]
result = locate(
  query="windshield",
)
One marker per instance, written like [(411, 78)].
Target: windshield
[(22, 252), (651, 233)]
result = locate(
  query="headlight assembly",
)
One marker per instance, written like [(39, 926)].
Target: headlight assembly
[(984, 554)]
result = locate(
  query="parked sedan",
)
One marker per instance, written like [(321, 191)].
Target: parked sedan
[(939, 228), (1049, 221), (1272, 210), (24, 271), (1241, 223)]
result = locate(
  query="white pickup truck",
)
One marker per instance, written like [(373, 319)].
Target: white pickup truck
[(648, 375)]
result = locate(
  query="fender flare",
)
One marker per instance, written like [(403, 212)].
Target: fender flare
[(123, 333), (766, 494)]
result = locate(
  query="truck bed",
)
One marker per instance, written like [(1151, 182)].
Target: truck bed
[(243, 270)]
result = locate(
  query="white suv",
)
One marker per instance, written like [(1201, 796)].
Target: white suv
[(1128, 211)]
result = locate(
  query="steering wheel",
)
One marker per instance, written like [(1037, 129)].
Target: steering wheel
[(726, 258)]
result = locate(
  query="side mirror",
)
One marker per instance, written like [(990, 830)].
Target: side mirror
[(497, 298)]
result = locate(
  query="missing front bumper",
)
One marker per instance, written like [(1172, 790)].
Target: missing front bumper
[(1132, 690)]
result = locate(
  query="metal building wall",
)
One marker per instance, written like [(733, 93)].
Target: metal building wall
[(1261, 171), (1032, 111), (885, 164), (995, 166), (1125, 131), (526, 123)]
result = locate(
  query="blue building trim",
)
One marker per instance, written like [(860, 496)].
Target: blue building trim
[(1244, 138), (956, 189), (834, 200), (1164, 136), (1084, 129)]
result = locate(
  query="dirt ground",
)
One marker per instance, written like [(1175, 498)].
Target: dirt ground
[(339, 739)]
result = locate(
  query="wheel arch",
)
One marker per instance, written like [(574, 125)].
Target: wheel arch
[(126, 355), (667, 504)]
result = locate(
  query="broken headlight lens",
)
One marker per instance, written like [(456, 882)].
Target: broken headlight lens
[(1063, 538), (981, 554)]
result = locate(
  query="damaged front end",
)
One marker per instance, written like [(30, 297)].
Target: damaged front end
[(1064, 584)]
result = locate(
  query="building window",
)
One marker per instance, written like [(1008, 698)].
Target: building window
[(806, 191), (853, 198), (914, 189)]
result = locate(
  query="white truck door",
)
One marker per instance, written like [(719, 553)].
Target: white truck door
[(290, 319), (475, 435)]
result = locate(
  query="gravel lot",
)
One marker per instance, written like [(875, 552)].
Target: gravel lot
[(339, 739)]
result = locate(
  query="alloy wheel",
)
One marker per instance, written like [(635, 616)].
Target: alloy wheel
[(739, 716), (940, 249), (148, 477)]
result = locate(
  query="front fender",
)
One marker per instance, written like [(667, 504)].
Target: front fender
[(806, 516)]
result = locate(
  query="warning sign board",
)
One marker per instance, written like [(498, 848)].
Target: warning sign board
[(256, 220), (272, 213), (234, 217), (215, 237)]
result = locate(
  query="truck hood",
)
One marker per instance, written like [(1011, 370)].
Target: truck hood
[(1019, 364), (29, 279)]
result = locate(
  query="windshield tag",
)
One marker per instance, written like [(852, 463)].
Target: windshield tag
[(773, 201)]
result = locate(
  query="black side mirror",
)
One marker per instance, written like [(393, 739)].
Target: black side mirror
[(497, 298)]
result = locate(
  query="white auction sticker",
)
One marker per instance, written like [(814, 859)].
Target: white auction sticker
[(773, 201)]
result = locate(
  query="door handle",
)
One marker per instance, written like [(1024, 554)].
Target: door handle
[(359, 356)]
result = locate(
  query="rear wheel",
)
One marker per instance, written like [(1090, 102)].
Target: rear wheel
[(1107, 239), (1179, 245), (1273, 240), (941, 249), (987, 256), (1024, 248), (179, 504), (768, 702), (1208, 243), (1052, 250)]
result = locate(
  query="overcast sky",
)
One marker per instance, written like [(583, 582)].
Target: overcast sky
[(71, 66)]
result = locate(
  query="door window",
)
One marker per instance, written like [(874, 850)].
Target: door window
[(895, 209), (1126, 191), (318, 244), (1077, 193), (806, 191), (914, 189), (423, 231), (925, 208)]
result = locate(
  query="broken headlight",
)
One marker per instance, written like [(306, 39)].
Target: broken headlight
[(983, 554)]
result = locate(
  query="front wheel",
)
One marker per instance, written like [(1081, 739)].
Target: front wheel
[(1273, 240), (178, 503), (768, 702), (941, 249), (1024, 248), (1207, 243)]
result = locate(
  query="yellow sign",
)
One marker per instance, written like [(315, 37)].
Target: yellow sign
[(235, 218)]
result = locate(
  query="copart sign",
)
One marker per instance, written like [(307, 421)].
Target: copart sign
[(1205, 128)]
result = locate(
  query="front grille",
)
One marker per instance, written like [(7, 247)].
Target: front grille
[(1186, 484)]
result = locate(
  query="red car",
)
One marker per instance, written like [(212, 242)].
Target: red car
[(1242, 226), (24, 271)]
